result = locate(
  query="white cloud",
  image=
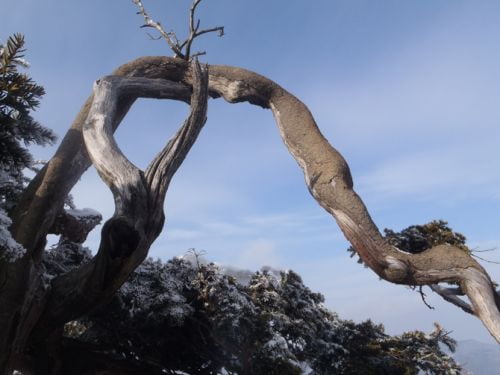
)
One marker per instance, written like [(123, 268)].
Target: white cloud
[(457, 171)]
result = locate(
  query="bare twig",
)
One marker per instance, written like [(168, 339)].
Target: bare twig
[(153, 37), (182, 50), (197, 256), (422, 294), (198, 54), (483, 259), (475, 250), (156, 25), (193, 30)]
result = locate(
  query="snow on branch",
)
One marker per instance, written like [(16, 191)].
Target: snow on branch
[(9, 248), (75, 224)]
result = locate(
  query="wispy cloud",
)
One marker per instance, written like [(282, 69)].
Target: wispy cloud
[(248, 240), (458, 172)]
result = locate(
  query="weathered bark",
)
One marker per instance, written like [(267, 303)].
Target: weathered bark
[(126, 237), (326, 173), (139, 196)]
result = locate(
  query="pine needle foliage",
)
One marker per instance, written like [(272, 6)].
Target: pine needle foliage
[(418, 238), (184, 317), (19, 95)]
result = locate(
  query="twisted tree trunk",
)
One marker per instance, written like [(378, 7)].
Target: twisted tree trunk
[(31, 313)]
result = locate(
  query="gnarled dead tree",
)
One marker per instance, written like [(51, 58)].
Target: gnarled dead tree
[(34, 310), (139, 195)]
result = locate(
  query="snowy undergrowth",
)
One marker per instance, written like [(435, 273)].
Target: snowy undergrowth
[(9, 248), (190, 316)]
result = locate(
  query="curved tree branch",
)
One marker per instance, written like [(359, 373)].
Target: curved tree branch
[(138, 217), (22, 293), (482, 295), (326, 173), (328, 178)]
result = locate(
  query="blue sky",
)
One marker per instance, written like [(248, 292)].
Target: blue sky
[(408, 91)]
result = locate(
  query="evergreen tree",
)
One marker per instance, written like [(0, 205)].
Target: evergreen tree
[(19, 95)]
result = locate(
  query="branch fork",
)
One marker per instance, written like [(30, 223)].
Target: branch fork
[(181, 49), (139, 195)]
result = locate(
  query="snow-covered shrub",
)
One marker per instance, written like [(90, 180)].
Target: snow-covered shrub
[(193, 318)]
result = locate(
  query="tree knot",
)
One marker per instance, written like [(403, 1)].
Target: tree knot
[(396, 270)]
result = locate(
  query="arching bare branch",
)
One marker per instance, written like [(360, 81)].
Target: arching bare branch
[(326, 173)]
